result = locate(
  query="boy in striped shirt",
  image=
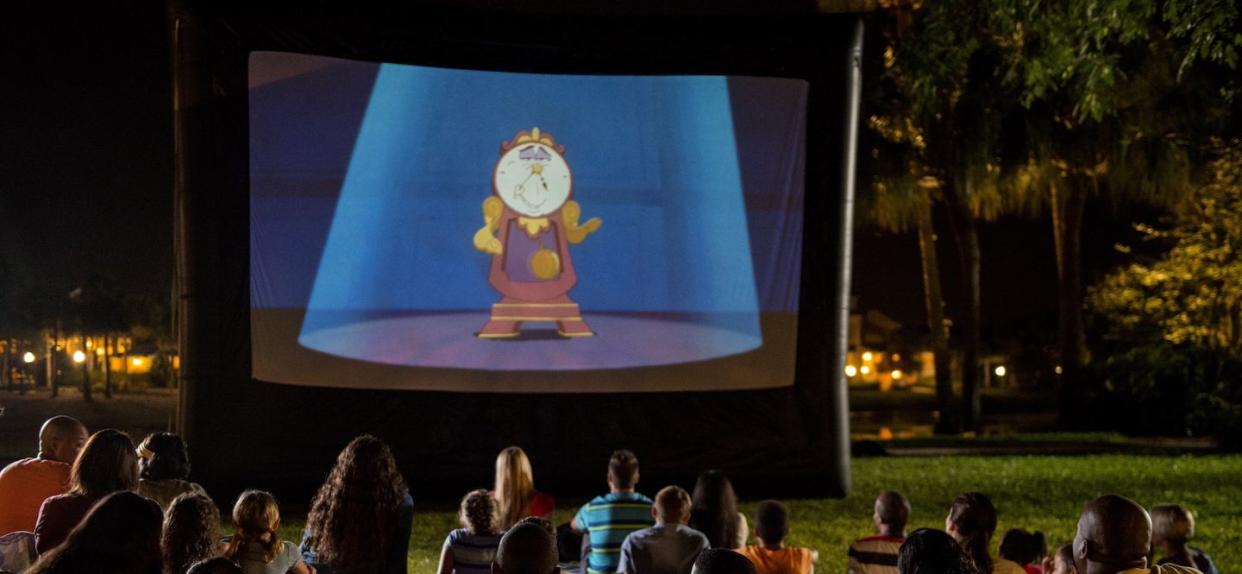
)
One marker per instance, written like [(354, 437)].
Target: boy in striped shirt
[(606, 520)]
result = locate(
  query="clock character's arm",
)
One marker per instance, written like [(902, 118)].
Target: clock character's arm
[(485, 238), (573, 232)]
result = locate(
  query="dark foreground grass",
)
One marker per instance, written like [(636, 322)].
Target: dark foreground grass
[(1033, 492)]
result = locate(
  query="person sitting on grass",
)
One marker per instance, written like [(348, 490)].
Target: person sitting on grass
[(120, 535), (255, 544), (1172, 528), (931, 551), (608, 519), (191, 532), (669, 547), (771, 555), (527, 548), (471, 549), (1114, 536), (360, 519), (515, 492), (106, 464), (972, 521), (714, 511), (26, 483), (163, 469), (1025, 548), (1060, 562), (722, 561), (878, 554)]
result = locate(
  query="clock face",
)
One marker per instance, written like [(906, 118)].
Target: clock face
[(533, 179)]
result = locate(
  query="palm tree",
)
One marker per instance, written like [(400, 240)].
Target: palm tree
[(941, 108)]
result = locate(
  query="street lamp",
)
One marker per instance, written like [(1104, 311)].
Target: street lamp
[(79, 356), (28, 358), (851, 370), (1000, 370)]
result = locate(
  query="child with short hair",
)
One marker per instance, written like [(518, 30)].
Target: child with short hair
[(255, 544), (471, 549), (1172, 527), (771, 555), (1027, 549)]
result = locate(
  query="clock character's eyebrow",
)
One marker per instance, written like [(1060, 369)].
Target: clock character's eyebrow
[(527, 153)]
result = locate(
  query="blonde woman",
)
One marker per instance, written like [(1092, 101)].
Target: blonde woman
[(516, 497)]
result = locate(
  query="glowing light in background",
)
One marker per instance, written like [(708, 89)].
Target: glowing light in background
[(79, 357), (851, 370), (28, 357)]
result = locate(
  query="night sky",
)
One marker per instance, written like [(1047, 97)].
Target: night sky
[(86, 166), (86, 177)]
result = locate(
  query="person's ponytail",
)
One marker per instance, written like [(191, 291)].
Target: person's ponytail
[(974, 521)]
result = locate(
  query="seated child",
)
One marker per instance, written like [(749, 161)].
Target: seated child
[(470, 550), (1026, 549), (771, 556), (255, 544), (1172, 527), (669, 547), (1062, 562)]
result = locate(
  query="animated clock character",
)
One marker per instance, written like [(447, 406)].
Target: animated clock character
[(529, 223)]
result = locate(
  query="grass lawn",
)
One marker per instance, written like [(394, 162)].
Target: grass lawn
[(1033, 492)]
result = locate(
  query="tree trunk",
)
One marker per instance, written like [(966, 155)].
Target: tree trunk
[(934, 301), (1068, 203), (8, 364), (50, 364), (107, 369), (967, 237), (86, 380)]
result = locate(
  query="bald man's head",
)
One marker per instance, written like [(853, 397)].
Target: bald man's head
[(61, 438), (1114, 534), (527, 548), (892, 512)]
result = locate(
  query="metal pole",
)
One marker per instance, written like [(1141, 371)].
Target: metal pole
[(839, 392)]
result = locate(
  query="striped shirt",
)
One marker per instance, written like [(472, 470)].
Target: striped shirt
[(874, 555), (472, 553), (607, 520)]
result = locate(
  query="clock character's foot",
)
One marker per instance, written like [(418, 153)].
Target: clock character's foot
[(573, 328), (501, 329)]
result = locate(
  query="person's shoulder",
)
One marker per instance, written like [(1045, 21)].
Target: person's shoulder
[(877, 543), (1003, 566), (1173, 569), (639, 535), (598, 501), (754, 552), (36, 465), (19, 464), (59, 500), (687, 531), (542, 503)]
